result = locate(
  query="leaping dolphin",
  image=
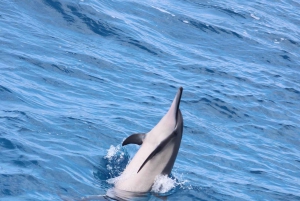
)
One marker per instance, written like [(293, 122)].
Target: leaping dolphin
[(157, 153)]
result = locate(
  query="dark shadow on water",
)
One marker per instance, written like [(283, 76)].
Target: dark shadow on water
[(4, 89), (98, 27), (257, 172), (7, 144), (139, 45), (212, 28), (56, 5)]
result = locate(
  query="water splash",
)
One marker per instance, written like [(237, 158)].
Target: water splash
[(112, 151), (117, 159), (164, 184)]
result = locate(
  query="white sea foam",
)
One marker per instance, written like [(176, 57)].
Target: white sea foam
[(255, 17), (112, 151), (162, 10), (163, 184)]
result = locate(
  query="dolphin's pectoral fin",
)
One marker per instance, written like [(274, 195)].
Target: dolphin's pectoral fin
[(137, 138), (158, 149)]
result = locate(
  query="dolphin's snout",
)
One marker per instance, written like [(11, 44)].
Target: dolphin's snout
[(176, 102)]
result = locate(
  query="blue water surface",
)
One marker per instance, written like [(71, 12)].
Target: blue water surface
[(77, 77)]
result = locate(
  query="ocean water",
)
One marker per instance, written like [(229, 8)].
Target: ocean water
[(78, 77)]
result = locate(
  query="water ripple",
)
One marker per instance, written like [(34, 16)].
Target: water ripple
[(77, 77)]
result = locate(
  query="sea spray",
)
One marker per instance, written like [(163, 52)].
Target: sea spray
[(164, 184), (117, 159)]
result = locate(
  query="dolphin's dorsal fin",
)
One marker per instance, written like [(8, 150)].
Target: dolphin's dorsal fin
[(158, 149), (136, 138)]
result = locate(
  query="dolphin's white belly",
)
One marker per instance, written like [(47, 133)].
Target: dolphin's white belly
[(142, 181)]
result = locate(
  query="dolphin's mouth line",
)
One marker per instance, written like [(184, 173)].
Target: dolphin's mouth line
[(177, 102)]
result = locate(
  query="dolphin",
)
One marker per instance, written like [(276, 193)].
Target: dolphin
[(157, 153)]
